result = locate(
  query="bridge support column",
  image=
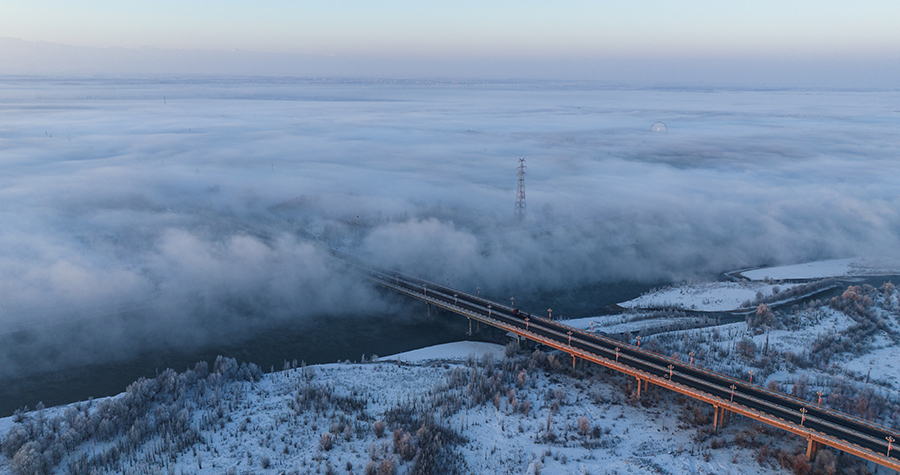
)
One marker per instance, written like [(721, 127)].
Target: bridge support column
[(574, 361), (470, 327), (429, 309), (716, 419), (639, 387), (811, 447)]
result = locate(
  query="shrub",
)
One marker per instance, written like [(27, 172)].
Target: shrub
[(387, 467), (584, 426), (378, 427), (325, 442), (746, 347)]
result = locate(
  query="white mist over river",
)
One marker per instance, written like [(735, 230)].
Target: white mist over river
[(146, 216)]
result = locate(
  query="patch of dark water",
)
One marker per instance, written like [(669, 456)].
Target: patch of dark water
[(315, 341)]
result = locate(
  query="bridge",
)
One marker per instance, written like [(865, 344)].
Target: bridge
[(728, 396)]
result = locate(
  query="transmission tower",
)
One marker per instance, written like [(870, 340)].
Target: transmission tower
[(520, 190)]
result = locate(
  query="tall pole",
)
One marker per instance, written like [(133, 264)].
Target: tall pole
[(520, 190)]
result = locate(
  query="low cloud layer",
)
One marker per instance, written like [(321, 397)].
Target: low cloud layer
[(173, 213)]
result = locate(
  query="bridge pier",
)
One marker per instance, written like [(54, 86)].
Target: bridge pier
[(721, 417), (716, 419), (429, 308), (639, 388), (811, 447), (470, 327)]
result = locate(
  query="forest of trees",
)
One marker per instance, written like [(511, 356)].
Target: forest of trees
[(162, 409)]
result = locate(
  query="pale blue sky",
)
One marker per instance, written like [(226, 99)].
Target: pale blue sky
[(467, 28)]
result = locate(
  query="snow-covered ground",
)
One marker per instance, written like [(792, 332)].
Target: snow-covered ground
[(635, 323), (271, 426), (853, 267), (459, 350), (882, 364), (821, 322), (705, 296)]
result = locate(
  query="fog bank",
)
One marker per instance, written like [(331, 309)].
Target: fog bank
[(168, 213)]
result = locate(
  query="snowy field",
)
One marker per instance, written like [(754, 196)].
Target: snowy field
[(639, 322), (854, 267), (449, 351), (705, 296), (594, 427)]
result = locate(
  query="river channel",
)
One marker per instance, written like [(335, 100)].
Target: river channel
[(323, 340)]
